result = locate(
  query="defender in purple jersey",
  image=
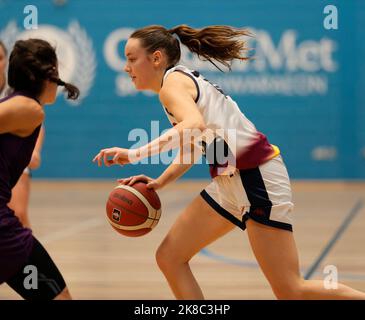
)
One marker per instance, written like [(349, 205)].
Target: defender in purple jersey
[(33, 79), (21, 192)]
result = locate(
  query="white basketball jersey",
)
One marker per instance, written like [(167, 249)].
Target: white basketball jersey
[(223, 118)]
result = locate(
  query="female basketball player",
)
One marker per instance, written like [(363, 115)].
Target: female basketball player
[(20, 193), (33, 79), (252, 192)]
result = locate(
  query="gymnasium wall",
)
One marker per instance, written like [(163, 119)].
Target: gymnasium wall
[(305, 89)]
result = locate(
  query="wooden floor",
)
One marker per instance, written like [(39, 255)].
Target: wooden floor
[(97, 263)]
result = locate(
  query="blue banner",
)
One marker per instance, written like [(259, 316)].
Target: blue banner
[(304, 88)]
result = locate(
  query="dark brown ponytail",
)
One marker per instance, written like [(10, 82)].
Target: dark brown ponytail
[(72, 91), (219, 43)]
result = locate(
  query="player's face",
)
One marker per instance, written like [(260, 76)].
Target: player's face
[(139, 65), (2, 66)]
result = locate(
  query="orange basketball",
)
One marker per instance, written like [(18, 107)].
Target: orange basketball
[(133, 210)]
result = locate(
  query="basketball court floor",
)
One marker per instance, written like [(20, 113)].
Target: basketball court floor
[(69, 219)]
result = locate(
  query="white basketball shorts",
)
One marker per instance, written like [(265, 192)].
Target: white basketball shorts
[(262, 194)]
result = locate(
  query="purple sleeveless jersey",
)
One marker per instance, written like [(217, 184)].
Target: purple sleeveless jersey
[(16, 242)]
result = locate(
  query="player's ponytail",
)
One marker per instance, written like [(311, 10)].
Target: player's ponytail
[(220, 43), (72, 91)]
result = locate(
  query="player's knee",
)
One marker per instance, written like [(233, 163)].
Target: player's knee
[(166, 256), (162, 257)]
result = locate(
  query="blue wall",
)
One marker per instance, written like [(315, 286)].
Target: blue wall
[(305, 89)]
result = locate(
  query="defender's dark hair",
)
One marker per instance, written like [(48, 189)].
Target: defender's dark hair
[(219, 43), (32, 62)]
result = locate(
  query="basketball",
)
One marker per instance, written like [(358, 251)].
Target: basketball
[(133, 210)]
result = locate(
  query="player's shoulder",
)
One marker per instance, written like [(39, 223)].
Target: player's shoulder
[(20, 101), (177, 86), (178, 79), (26, 106), (178, 76), (20, 115)]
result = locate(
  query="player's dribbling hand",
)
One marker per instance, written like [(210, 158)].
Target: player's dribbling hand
[(119, 156), (151, 183)]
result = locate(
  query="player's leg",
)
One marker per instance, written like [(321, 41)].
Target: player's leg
[(44, 280), (197, 226), (276, 253), (20, 199)]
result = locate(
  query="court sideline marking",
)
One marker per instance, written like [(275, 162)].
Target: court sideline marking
[(339, 232)]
